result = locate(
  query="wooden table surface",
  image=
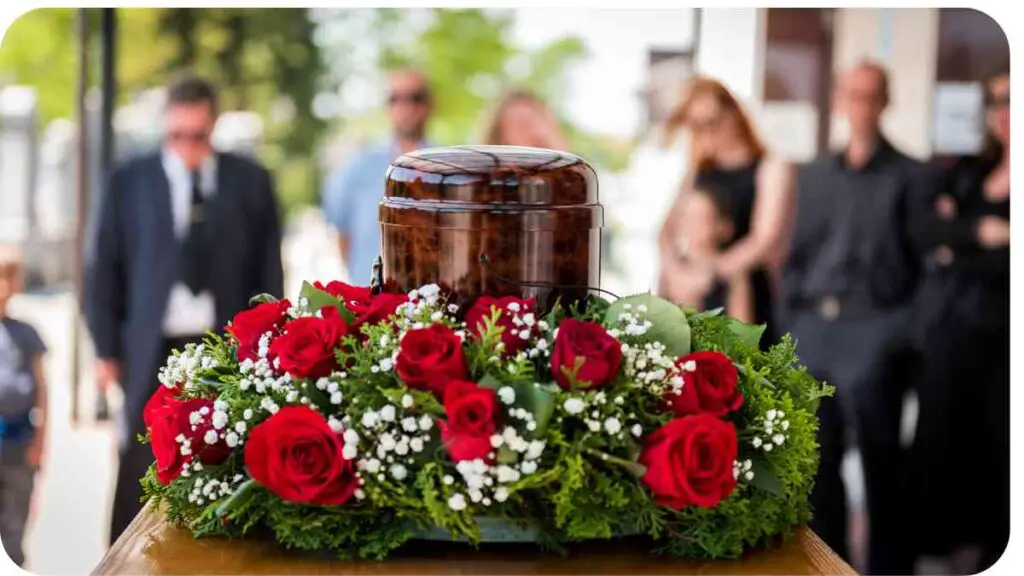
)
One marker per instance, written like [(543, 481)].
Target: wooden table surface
[(150, 546)]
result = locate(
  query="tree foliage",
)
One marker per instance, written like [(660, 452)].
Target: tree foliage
[(276, 62), (471, 57), (264, 61)]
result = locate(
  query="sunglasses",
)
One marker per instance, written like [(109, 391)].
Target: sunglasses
[(419, 98), (197, 137)]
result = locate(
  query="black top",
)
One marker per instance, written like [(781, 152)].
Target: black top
[(851, 237), (734, 190), (20, 345), (976, 280)]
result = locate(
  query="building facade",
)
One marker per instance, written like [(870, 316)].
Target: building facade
[(782, 61)]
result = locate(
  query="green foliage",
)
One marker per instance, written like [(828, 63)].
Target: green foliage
[(669, 325), (581, 447), (265, 61), (470, 57)]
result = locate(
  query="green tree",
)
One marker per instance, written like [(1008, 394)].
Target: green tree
[(265, 61), (470, 57)]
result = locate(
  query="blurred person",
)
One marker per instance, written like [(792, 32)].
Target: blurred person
[(22, 410), (520, 118), (183, 239), (847, 287), (728, 159), (352, 196), (963, 311), (708, 231)]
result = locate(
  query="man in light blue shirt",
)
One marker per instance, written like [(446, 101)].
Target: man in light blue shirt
[(353, 194)]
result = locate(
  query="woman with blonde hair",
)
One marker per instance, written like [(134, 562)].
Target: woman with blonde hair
[(521, 118), (729, 161)]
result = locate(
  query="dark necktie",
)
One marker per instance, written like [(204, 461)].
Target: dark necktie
[(193, 262)]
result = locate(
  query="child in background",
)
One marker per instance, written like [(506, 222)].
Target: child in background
[(707, 230), (22, 411)]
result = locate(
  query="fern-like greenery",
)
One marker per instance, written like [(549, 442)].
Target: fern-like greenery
[(586, 484)]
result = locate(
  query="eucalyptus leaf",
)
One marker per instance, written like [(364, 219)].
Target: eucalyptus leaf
[(491, 382), (668, 322), (262, 299), (318, 299), (749, 334), (764, 479), (705, 313), (540, 402), (208, 381), (236, 498)]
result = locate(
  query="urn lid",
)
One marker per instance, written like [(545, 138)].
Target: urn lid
[(491, 176)]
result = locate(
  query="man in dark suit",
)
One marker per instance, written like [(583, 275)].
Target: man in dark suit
[(183, 239), (847, 287)]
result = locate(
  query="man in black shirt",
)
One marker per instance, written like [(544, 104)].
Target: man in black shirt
[(847, 287)]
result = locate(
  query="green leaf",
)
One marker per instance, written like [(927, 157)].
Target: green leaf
[(764, 479), (317, 299), (749, 334), (208, 381), (539, 401), (235, 499), (704, 314), (669, 324), (262, 299), (597, 306), (491, 382), (507, 455)]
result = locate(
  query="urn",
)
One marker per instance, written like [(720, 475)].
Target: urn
[(494, 220)]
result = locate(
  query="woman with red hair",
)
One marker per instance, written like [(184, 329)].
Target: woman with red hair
[(728, 161)]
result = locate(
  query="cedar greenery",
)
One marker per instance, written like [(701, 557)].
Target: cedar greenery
[(586, 484)]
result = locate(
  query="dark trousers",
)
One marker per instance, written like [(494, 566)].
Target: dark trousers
[(134, 457), (961, 445), (16, 484), (865, 358)]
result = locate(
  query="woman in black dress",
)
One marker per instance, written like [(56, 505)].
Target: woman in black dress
[(960, 457), (728, 160)]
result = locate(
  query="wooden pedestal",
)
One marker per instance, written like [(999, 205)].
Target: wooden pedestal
[(151, 546)]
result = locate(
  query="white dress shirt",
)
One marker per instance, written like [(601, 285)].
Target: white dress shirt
[(187, 314)]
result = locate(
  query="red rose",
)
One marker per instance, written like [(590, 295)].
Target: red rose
[(166, 419), (307, 347), (297, 456), (589, 343), (376, 309), (511, 336), (250, 325), (690, 461), (429, 357), (367, 307), (163, 428), (471, 412), (709, 385), (161, 398), (345, 292)]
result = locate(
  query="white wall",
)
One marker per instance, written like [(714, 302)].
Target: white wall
[(603, 90), (905, 41), (731, 49)]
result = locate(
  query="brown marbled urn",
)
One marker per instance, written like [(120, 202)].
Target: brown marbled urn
[(533, 215)]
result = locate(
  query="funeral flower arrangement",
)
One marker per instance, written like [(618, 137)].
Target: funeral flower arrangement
[(353, 422)]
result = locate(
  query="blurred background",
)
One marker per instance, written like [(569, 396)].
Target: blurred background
[(302, 89)]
